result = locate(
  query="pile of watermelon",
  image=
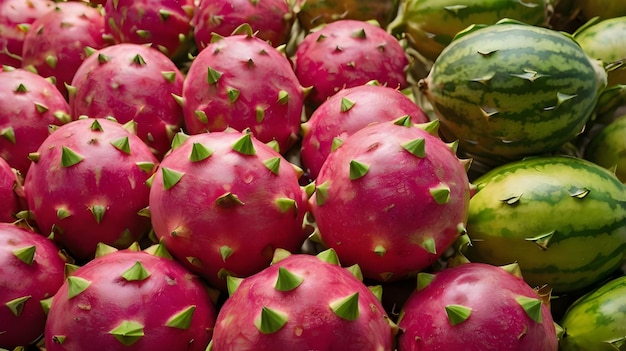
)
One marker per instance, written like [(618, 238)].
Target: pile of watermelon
[(313, 175)]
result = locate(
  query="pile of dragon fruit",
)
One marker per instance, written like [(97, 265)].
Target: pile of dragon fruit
[(279, 175)]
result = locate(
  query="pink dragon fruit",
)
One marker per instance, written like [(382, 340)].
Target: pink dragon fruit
[(164, 24), (131, 300), (58, 42), (303, 303), (242, 82), (28, 105), (345, 113), (16, 16), (131, 82), (31, 271), (271, 19), (222, 203), (10, 192), (476, 307), (87, 184), (392, 198), (347, 53)]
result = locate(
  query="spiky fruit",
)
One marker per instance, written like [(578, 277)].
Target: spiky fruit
[(31, 271), (29, 104), (347, 53), (131, 82), (313, 13), (131, 300), (345, 113), (87, 184), (56, 42), (163, 24), (16, 16), (392, 198), (271, 19), (476, 307), (242, 82), (302, 303), (223, 202), (10, 188)]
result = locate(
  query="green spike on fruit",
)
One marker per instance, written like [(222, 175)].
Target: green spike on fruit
[(440, 193), (62, 117), (424, 279), (21, 88), (358, 169), (225, 251), (69, 157), (336, 143), (143, 33), (580, 193), (346, 104), (122, 144), (145, 166), (201, 116), (457, 314), (329, 256), (285, 204), (103, 249), (279, 255), (260, 114), (542, 240), (45, 304), (9, 134), (283, 97), (377, 290), (76, 285), (355, 269), (404, 121), (169, 76), (199, 153), (41, 108), (416, 147), (26, 254), (69, 269), (178, 139), (321, 193), (170, 177), (16, 306), (213, 76), (159, 250), (513, 268), (380, 250), (128, 332), (431, 127), (244, 145), (138, 59), (270, 321), (232, 283), (95, 126), (136, 273), (273, 164), (287, 280), (59, 339), (98, 212), (164, 14), (52, 61), (429, 245), (233, 94), (347, 308), (531, 306), (228, 200), (182, 320)]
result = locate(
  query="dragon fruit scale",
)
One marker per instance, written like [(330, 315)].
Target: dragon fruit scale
[(88, 184), (392, 198), (31, 271), (476, 307), (270, 19), (163, 24), (10, 192), (345, 113), (347, 53), (29, 104), (131, 82), (131, 300), (58, 41), (303, 302), (222, 202), (241, 81)]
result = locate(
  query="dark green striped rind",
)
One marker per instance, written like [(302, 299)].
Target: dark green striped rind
[(430, 25), (596, 319), (511, 90), (608, 147), (562, 219)]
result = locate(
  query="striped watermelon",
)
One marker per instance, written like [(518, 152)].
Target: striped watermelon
[(430, 25), (608, 147), (563, 219), (597, 320), (511, 90)]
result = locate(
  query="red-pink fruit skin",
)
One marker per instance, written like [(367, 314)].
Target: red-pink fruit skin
[(259, 84), (126, 90), (201, 227), (39, 280), (63, 33), (497, 322), (9, 200), (391, 205), (336, 57), (13, 14), (372, 103), (86, 319), (106, 176), (311, 323), (124, 17), (270, 19), (18, 110)]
